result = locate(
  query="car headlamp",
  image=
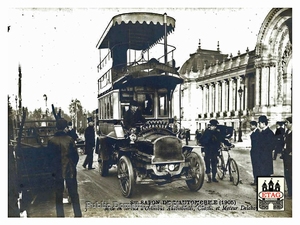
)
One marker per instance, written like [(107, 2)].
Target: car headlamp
[(171, 167), (132, 138)]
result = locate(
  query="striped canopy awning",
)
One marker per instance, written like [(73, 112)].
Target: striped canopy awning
[(140, 30)]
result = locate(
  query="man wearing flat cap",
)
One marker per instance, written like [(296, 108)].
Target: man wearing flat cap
[(65, 159), (133, 115), (211, 141), (287, 155), (267, 145)]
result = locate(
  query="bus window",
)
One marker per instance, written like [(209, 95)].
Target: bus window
[(163, 105), (146, 100)]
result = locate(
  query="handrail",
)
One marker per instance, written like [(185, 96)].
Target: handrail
[(138, 59)]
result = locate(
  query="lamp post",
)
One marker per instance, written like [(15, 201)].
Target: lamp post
[(45, 98), (75, 113), (240, 91)]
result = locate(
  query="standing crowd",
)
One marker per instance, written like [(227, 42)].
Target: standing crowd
[(265, 146)]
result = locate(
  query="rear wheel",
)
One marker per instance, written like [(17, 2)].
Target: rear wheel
[(196, 171), (220, 167), (234, 172), (126, 176)]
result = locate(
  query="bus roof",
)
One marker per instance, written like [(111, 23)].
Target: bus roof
[(141, 29)]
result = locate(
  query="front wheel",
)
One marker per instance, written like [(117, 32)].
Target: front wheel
[(220, 167), (234, 172), (196, 171), (126, 176)]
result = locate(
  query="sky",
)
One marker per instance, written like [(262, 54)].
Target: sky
[(56, 46)]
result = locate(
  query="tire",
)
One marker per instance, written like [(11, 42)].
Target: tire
[(234, 172), (220, 167), (196, 170), (103, 166), (126, 176)]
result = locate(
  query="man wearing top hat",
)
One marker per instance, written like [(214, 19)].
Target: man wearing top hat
[(89, 135), (211, 141), (266, 145), (133, 115)]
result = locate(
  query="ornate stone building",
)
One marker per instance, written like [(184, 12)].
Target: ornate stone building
[(240, 88)]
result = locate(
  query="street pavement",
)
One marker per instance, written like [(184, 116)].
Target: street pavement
[(44, 205)]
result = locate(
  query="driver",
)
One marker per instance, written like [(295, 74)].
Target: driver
[(133, 115)]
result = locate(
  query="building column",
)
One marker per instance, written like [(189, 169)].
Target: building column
[(246, 83), (257, 87), (217, 97), (223, 95), (265, 86), (200, 103), (230, 95), (205, 98), (273, 85), (209, 97)]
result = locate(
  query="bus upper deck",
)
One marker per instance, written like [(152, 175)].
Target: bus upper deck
[(135, 65)]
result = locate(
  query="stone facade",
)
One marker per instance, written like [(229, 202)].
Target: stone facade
[(240, 88)]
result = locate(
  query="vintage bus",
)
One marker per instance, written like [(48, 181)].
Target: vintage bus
[(137, 63)]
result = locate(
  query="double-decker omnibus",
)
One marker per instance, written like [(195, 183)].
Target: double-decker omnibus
[(137, 63)]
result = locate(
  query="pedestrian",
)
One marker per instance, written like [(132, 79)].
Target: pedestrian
[(65, 159), (71, 132), (279, 135), (198, 136), (133, 115), (186, 137), (188, 134), (89, 135), (266, 145), (211, 141), (254, 151), (287, 156)]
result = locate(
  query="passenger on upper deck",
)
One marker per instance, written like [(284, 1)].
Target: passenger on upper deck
[(133, 115)]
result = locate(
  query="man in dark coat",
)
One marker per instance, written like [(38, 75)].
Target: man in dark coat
[(71, 132), (279, 135), (89, 135), (211, 141), (266, 145), (133, 115), (65, 159), (287, 155), (255, 151)]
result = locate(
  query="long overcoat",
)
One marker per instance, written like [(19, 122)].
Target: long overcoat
[(267, 143), (255, 152)]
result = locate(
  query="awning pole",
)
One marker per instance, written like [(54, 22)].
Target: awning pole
[(165, 39)]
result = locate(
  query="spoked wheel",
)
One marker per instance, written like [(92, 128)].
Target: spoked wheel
[(126, 176), (234, 172), (196, 171), (220, 168)]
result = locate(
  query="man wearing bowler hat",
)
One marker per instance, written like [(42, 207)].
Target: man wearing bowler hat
[(133, 115), (267, 145), (211, 141)]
